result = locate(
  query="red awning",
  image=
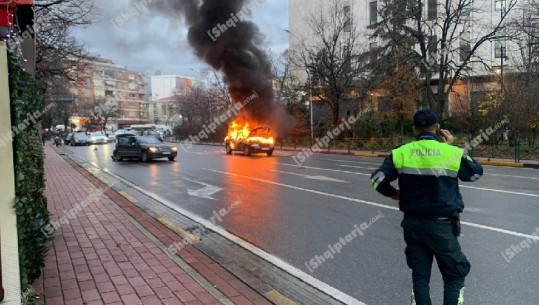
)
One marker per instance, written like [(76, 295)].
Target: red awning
[(6, 10)]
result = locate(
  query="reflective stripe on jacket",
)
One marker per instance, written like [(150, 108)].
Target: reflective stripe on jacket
[(428, 173)]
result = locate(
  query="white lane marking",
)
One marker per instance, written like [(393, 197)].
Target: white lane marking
[(471, 224), (307, 190), (361, 167), (350, 161), (316, 283), (498, 191), (508, 232), (521, 177), (205, 192), (319, 177), (462, 186), (324, 169)]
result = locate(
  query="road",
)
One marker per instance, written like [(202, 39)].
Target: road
[(294, 213)]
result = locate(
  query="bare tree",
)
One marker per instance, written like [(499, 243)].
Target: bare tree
[(333, 59), (395, 80), (57, 52), (520, 85), (443, 46), (99, 110), (218, 90)]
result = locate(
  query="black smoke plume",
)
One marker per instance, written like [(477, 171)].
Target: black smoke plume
[(220, 36)]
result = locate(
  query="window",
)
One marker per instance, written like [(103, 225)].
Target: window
[(347, 18), (432, 9), (373, 48), (499, 5), (500, 45), (432, 45), (466, 9), (465, 47), (499, 48), (384, 104), (373, 10)]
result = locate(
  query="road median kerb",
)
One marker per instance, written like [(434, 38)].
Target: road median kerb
[(502, 163)]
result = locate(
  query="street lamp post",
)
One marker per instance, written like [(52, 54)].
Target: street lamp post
[(312, 125)]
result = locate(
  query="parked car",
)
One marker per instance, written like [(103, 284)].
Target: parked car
[(144, 148), (259, 140), (79, 139), (111, 138), (154, 133), (97, 138), (67, 139), (121, 131)]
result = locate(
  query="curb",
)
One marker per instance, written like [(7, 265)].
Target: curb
[(502, 163)]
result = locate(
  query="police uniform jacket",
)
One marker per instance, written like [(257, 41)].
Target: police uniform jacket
[(428, 173)]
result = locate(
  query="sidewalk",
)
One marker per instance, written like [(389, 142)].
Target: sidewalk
[(109, 252)]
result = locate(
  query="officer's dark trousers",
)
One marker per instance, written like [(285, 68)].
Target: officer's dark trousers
[(426, 239)]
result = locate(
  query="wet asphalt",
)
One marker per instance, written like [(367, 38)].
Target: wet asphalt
[(296, 212)]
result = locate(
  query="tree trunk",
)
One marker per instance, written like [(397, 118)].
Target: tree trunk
[(336, 114)]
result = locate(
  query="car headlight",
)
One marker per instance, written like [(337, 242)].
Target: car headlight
[(153, 149), (174, 149)]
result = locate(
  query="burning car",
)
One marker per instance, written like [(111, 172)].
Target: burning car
[(250, 141)]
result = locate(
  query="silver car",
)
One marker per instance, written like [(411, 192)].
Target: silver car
[(98, 138)]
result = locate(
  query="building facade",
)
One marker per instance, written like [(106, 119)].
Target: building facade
[(164, 91), (495, 56), (100, 81)]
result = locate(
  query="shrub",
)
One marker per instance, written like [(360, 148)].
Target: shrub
[(26, 97)]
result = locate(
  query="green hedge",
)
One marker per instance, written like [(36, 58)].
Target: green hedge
[(26, 97)]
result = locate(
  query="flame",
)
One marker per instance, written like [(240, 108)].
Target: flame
[(241, 131), (237, 131)]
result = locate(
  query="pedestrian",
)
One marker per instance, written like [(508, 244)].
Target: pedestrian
[(428, 170)]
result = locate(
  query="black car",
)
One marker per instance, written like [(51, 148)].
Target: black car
[(67, 139), (144, 148), (78, 139)]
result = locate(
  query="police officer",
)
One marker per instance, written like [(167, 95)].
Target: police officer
[(428, 170)]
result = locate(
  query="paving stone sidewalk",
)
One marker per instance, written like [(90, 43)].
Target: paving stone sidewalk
[(107, 253)]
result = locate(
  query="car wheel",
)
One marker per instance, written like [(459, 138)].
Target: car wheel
[(144, 157), (269, 153), (228, 150), (247, 150), (120, 159), (171, 158)]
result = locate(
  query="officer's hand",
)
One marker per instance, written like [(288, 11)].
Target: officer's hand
[(396, 196), (447, 137)]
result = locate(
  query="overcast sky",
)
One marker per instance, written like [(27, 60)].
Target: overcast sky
[(150, 42)]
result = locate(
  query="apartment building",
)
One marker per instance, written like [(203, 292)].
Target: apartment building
[(493, 58), (164, 91), (101, 79)]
